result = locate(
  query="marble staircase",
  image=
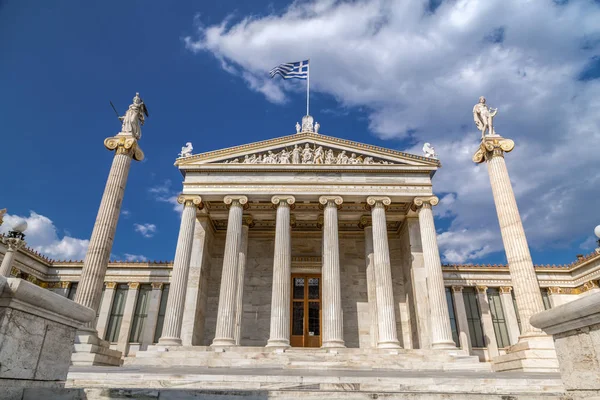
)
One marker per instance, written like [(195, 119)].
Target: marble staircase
[(318, 359)]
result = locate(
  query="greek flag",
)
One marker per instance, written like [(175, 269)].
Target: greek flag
[(292, 70)]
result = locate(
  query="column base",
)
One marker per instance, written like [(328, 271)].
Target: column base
[(333, 344), (530, 354), (169, 341), (91, 350), (223, 342), (450, 345), (389, 345), (283, 343)]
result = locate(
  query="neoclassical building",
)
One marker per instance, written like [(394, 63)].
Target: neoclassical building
[(302, 241)]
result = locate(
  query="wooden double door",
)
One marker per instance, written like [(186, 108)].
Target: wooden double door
[(306, 310)]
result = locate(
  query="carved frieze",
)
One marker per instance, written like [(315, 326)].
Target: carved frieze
[(307, 154)]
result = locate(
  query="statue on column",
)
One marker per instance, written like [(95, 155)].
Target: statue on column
[(483, 116), (134, 117)]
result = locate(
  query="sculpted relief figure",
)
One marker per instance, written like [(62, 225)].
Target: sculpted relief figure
[(134, 117), (353, 159), (342, 158), (307, 154), (329, 157), (284, 157), (318, 159), (296, 155), (483, 116)]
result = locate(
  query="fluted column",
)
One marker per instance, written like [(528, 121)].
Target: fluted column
[(464, 337), (365, 224), (171, 333), (441, 333), (386, 317), (247, 222), (12, 246), (487, 323), (282, 273), (524, 280), (333, 323), (101, 242), (512, 324), (225, 331)]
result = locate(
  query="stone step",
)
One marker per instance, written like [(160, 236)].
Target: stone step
[(212, 394), (310, 383), (81, 359), (92, 348)]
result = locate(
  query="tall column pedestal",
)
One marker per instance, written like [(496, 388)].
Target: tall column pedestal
[(89, 349), (534, 350)]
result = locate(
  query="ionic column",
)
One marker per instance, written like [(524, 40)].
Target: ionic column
[(101, 242), (225, 330), (247, 222), (333, 326), (282, 271), (509, 313), (441, 333), (464, 337), (171, 333), (12, 246), (486, 322), (125, 330), (107, 301), (152, 315), (365, 224), (524, 280), (386, 317)]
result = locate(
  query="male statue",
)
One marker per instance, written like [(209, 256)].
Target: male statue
[(483, 116)]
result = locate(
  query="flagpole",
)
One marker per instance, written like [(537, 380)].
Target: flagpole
[(307, 86)]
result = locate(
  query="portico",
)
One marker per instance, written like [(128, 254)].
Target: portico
[(315, 262)]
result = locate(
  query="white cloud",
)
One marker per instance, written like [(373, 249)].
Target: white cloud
[(146, 230), (125, 213), (135, 257), (41, 235), (164, 194), (418, 72)]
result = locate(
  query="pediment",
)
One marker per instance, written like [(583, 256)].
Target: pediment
[(306, 148)]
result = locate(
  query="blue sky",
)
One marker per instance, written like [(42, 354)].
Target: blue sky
[(389, 73)]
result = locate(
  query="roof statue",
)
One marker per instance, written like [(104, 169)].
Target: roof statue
[(298, 127), (134, 117), (186, 151), (317, 127), (307, 124), (429, 151), (483, 116)]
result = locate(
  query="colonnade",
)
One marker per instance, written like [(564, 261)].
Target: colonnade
[(378, 270)]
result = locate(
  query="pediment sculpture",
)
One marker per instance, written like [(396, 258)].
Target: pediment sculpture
[(307, 154)]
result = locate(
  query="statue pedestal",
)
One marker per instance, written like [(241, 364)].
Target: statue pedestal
[(91, 350), (530, 354)]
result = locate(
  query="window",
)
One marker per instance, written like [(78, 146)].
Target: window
[(116, 313), (140, 314), (452, 313), (546, 299), (516, 309), (473, 317), (498, 319), (161, 313), (72, 291)]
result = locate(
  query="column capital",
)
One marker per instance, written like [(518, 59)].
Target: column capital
[(492, 146), (427, 202), (241, 200), (481, 289), (364, 222), (334, 200), (127, 145), (278, 200), (248, 221), (157, 285), (457, 289), (134, 285), (190, 200), (13, 244), (374, 200), (111, 285), (505, 289)]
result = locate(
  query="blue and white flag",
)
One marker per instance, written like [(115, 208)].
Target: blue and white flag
[(292, 70)]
